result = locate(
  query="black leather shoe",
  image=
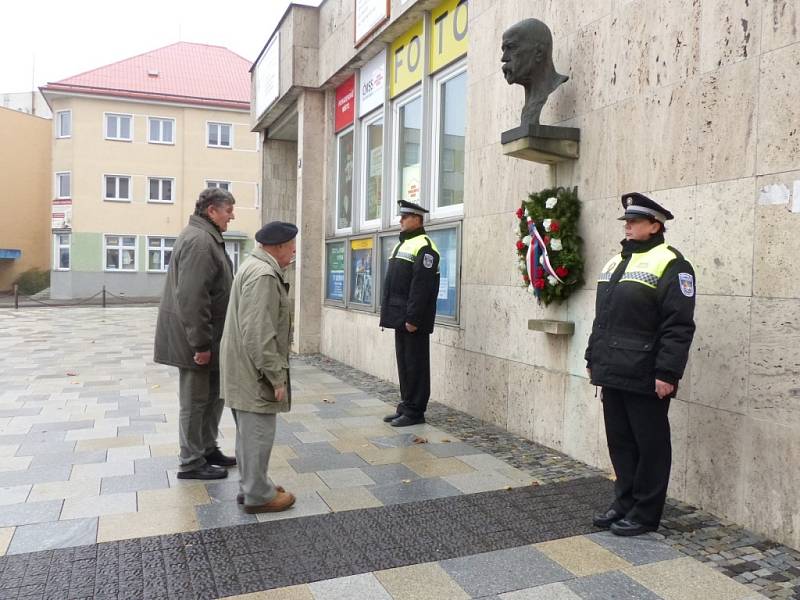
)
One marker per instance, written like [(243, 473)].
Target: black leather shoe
[(405, 421), (606, 519), (205, 472), (216, 457), (390, 418), (627, 527)]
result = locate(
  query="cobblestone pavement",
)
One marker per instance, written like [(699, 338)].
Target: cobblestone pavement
[(90, 505)]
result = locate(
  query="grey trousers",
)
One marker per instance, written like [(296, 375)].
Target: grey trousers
[(255, 435), (199, 415)]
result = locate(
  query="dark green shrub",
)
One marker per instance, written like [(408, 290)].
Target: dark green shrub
[(33, 281)]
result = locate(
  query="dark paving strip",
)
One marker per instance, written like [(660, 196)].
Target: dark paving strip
[(765, 566), (236, 560)]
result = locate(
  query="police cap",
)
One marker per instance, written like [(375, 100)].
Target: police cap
[(638, 205), (276, 232), (409, 208)]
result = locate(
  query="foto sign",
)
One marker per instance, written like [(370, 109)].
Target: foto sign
[(372, 84), (267, 76), (450, 22), (369, 15), (345, 104), (406, 60)]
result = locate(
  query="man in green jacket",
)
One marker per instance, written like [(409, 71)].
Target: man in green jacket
[(189, 328), (255, 362)]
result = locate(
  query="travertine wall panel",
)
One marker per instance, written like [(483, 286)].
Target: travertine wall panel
[(582, 410), (731, 31), (779, 111), (777, 247), (780, 23)]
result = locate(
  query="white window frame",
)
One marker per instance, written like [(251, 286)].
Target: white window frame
[(57, 247), (160, 190), (106, 116), (344, 230), (439, 80), (219, 135), (371, 119), (59, 131), (397, 104), (236, 255), (217, 183), (120, 248), (161, 249), (116, 185), (150, 140), (59, 175)]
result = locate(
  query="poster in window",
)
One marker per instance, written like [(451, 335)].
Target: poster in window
[(335, 262), (361, 282)]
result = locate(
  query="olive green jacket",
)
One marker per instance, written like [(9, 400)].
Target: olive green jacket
[(255, 345)]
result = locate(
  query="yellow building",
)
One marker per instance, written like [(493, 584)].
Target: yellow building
[(134, 143), (25, 202)]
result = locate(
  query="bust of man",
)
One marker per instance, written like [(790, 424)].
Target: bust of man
[(528, 61)]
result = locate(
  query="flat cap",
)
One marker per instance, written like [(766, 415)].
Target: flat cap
[(276, 232), (409, 208), (638, 205)]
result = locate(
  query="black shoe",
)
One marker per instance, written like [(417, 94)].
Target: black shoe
[(627, 527), (216, 457), (405, 421), (606, 519), (390, 418), (205, 472)]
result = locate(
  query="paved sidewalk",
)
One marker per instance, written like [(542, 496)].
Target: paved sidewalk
[(90, 505)]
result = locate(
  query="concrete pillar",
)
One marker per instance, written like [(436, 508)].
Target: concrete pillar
[(280, 181)]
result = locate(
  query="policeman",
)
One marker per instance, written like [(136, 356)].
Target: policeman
[(408, 305), (637, 352)]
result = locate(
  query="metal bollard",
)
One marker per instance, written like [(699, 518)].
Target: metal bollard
[(16, 296), (104, 296)]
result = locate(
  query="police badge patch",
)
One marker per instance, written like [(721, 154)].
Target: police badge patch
[(427, 261), (687, 284)]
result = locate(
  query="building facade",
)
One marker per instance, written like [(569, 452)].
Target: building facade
[(25, 168), (134, 143), (671, 100)]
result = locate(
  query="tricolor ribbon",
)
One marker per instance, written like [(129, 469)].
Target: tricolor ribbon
[(536, 240)]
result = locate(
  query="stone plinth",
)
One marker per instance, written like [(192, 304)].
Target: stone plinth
[(552, 326), (542, 143)]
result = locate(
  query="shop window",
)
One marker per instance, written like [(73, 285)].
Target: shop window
[(447, 241), (62, 251), (344, 181), (334, 271), (362, 283), (159, 251), (408, 149), (119, 252), (372, 188), (450, 130), (387, 244)]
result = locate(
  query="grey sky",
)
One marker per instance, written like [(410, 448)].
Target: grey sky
[(68, 38)]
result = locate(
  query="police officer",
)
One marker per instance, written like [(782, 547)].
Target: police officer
[(637, 352), (408, 305)]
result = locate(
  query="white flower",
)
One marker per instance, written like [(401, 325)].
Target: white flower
[(555, 244), (526, 240), (551, 202), (546, 224), (527, 214), (551, 280), (521, 267), (531, 290), (541, 260)]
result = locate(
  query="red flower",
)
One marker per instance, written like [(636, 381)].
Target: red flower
[(526, 279), (520, 213), (539, 272), (554, 226), (520, 245), (562, 271), (538, 284), (547, 240)]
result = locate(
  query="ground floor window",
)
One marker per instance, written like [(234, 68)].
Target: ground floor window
[(159, 251), (334, 271), (119, 252), (232, 248), (61, 246), (361, 270)]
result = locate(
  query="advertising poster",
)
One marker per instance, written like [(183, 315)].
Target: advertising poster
[(361, 285), (335, 261)]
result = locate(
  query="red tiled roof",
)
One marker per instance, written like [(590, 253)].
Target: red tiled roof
[(186, 73)]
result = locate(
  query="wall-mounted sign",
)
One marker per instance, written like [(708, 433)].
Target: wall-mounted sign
[(345, 104), (267, 76), (369, 14), (406, 60), (372, 84), (449, 32), (61, 214)]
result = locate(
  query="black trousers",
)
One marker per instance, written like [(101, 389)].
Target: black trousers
[(637, 430), (413, 352)]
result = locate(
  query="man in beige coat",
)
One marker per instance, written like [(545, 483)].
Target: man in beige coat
[(255, 362)]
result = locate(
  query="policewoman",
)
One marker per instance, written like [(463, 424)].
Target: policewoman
[(408, 305), (637, 352)]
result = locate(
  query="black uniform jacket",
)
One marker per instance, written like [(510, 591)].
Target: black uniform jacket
[(641, 334), (410, 289)]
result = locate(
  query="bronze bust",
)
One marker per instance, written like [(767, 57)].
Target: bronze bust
[(528, 61)]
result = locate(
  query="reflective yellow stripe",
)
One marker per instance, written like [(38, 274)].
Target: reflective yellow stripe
[(645, 267), (409, 249)]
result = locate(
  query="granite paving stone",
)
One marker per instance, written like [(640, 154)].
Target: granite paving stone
[(29, 512), (637, 550), (47, 536), (56, 490), (14, 494), (68, 458), (346, 588), (108, 504), (35, 475), (62, 426), (551, 591), (134, 483), (479, 481), (610, 585), (222, 514), (322, 462), (392, 473), (341, 478), (413, 491)]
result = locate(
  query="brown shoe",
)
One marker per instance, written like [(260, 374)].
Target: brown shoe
[(281, 501), (240, 497)]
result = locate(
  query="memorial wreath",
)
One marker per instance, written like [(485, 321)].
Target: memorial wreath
[(548, 244)]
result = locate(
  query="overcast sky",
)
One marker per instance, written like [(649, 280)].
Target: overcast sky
[(66, 38)]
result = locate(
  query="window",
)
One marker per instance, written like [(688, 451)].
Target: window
[(372, 189), (118, 188), (64, 124), (119, 127), (446, 241), (334, 271), (450, 131), (159, 251), (408, 149), (159, 189), (344, 181), (387, 244), (219, 135), (119, 252), (232, 248), (225, 185), (161, 131), (61, 245), (361, 280), (63, 185)]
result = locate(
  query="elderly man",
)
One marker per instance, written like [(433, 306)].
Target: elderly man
[(255, 363), (190, 321)]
